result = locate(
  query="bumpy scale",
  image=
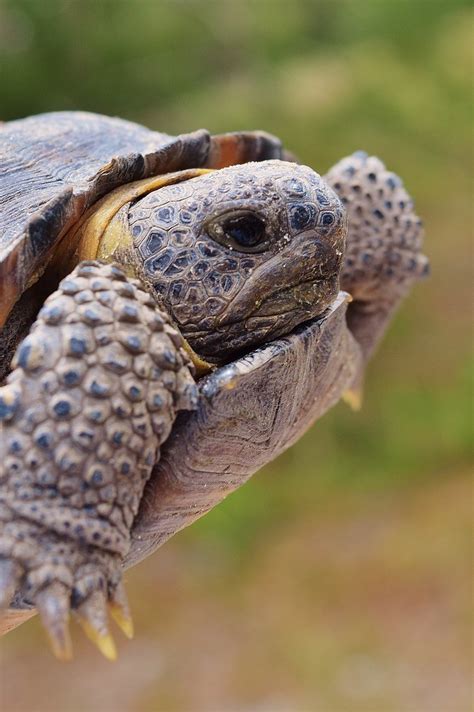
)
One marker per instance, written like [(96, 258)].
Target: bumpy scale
[(383, 251), (206, 282), (94, 392)]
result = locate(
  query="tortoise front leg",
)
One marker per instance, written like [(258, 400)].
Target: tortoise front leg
[(383, 255), (93, 394)]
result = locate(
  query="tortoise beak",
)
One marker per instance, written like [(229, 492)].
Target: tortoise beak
[(294, 279), (300, 296)]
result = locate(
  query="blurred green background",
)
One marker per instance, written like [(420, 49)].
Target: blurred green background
[(338, 579)]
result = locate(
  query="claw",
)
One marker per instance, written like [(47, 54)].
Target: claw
[(120, 610), (353, 398), (92, 615), (10, 575), (53, 606)]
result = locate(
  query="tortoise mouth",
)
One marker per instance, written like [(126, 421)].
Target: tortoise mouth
[(303, 296), (224, 377), (274, 316)]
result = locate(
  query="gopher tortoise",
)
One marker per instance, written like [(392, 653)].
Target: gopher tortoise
[(179, 310)]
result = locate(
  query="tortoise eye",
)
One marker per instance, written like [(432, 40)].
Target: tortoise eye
[(245, 230)]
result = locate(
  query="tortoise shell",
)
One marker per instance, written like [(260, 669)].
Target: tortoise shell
[(56, 165)]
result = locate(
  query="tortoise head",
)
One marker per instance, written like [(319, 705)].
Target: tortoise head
[(241, 255)]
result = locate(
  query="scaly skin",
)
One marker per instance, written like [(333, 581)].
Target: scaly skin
[(227, 297), (383, 252), (97, 383), (94, 392)]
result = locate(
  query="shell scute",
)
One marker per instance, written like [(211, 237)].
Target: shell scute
[(42, 199)]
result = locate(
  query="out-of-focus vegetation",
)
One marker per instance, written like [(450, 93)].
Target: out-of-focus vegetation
[(337, 580)]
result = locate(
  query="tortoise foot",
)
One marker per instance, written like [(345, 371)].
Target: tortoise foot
[(60, 577)]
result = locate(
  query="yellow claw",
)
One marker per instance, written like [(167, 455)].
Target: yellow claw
[(103, 641), (92, 615), (353, 398), (53, 606), (120, 610), (123, 619), (61, 644)]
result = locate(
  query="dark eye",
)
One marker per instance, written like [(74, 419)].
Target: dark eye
[(246, 231)]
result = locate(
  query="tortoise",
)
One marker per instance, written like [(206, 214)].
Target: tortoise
[(179, 310)]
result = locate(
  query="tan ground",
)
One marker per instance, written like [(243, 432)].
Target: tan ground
[(364, 608)]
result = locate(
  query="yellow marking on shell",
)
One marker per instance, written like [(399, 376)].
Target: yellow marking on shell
[(115, 236), (97, 235), (103, 236), (103, 232)]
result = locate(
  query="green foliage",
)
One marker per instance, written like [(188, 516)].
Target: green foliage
[(127, 56)]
